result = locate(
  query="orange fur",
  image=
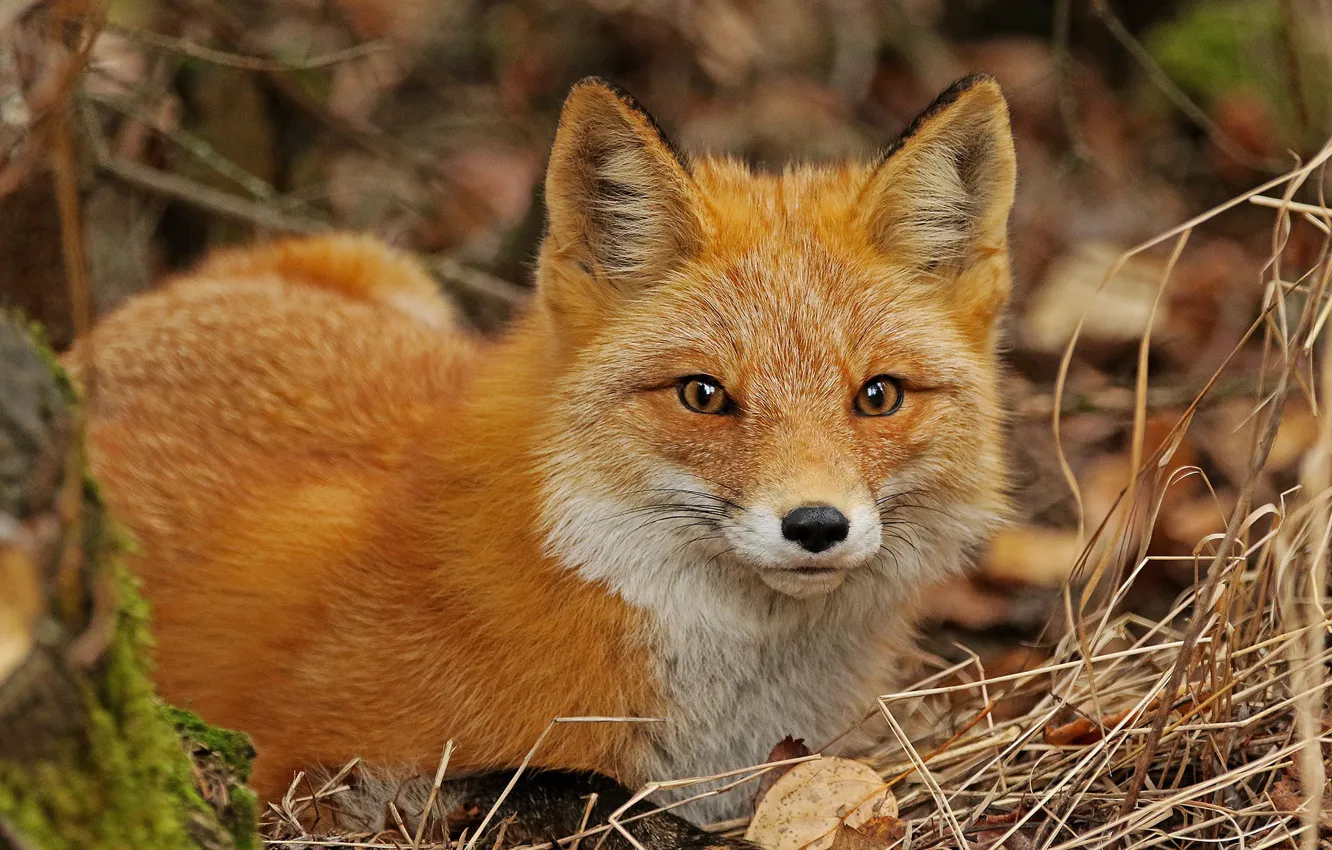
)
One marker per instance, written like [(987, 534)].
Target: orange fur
[(259, 437), (367, 535), (359, 267)]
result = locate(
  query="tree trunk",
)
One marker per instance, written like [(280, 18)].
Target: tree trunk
[(89, 756)]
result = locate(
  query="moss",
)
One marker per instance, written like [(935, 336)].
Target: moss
[(233, 748), (126, 781), (1209, 49), (1213, 50), (222, 760)]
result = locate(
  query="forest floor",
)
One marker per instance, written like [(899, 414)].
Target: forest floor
[(1164, 343)]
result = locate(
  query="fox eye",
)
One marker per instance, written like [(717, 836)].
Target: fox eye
[(881, 396), (704, 394)]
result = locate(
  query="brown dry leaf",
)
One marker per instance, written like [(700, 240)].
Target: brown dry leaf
[(850, 838), (1083, 730), (1230, 432), (1032, 554), (399, 21), (1118, 313), (1187, 523), (808, 806), (993, 827), (787, 748), (1286, 796), (1296, 435), (887, 829), (1246, 120), (966, 603), (1210, 302)]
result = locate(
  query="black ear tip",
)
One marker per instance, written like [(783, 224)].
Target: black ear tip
[(612, 88), (951, 94), (970, 81), (593, 81), (946, 98), (629, 102)]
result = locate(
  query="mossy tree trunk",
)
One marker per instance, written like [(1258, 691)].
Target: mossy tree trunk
[(89, 756)]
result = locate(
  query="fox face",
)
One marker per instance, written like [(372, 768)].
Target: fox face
[(782, 380)]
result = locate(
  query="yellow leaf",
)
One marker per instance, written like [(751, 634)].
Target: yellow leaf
[(20, 603)]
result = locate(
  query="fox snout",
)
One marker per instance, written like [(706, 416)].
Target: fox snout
[(804, 541)]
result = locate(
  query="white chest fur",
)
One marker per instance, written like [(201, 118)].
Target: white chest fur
[(733, 694), (738, 665)]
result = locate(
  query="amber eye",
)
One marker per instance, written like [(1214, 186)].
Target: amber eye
[(881, 396), (704, 394)]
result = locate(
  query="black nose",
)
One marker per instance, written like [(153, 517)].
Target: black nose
[(815, 527)]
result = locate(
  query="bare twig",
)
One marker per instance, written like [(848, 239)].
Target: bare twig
[(247, 63)]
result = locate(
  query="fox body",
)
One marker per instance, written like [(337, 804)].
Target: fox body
[(745, 420)]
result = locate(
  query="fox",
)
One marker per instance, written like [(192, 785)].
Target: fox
[(700, 485)]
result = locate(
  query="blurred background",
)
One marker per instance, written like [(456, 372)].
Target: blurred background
[(194, 124)]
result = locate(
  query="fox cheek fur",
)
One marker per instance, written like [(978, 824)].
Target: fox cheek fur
[(365, 533), (793, 290)]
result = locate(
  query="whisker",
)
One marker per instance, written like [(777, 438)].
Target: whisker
[(885, 550), (920, 507), (713, 560), (716, 483), (696, 493), (702, 510), (698, 539), (689, 521), (899, 494)]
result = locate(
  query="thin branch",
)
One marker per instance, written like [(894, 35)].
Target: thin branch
[(247, 63), (209, 199)]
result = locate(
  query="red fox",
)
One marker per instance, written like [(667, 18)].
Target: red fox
[(705, 477)]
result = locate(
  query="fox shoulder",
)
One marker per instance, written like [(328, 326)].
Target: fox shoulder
[(359, 267)]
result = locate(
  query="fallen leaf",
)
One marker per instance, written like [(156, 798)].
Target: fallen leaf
[(850, 838), (886, 828), (1032, 554), (1296, 435), (1072, 293), (808, 806), (993, 827), (964, 602), (1286, 796), (20, 603), (787, 748), (1082, 730)]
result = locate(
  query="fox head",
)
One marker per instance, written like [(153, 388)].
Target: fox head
[(784, 382)]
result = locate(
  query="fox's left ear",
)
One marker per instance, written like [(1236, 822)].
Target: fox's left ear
[(940, 198)]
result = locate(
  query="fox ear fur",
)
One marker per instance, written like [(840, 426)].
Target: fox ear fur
[(941, 196), (620, 201)]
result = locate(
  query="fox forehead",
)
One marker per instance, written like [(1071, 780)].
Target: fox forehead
[(789, 326), (817, 198), (786, 295)]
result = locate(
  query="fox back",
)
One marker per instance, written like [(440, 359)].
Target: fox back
[(745, 420)]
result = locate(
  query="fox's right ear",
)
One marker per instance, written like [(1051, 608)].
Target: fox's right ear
[(620, 201)]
